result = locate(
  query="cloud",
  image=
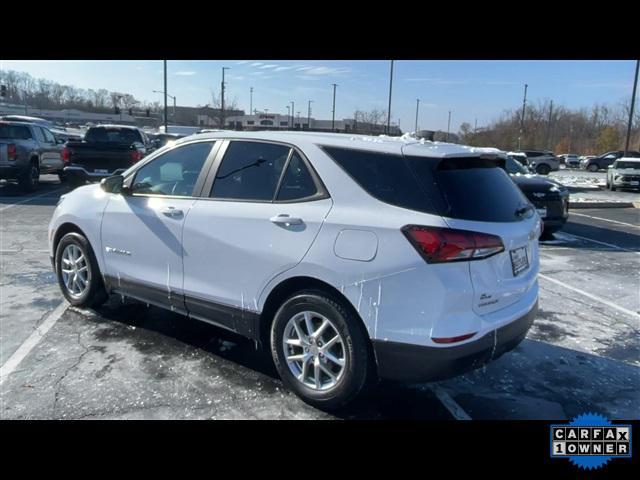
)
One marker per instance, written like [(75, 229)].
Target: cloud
[(270, 65), (257, 64), (437, 81), (185, 73), (242, 62), (602, 85)]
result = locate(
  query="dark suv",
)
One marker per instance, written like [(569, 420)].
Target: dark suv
[(603, 161)]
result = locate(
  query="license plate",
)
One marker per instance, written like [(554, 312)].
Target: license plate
[(519, 260), (542, 212), (101, 170), (634, 183)]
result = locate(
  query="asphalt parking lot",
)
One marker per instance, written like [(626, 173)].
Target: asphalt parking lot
[(130, 361)]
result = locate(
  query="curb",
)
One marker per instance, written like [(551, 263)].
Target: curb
[(579, 205)]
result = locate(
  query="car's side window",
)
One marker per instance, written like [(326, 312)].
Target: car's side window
[(297, 182), (39, 134), (250, 171), (173, 173), (48, 136)]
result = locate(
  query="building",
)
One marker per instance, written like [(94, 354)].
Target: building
[(277, 121), (67, 115)]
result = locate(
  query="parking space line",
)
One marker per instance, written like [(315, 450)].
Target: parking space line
[(33, 339), (592, 297), (605, 220), (27, 200), (564, 234), (449, 403)]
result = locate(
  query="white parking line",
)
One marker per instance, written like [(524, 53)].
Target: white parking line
[(611, 245), (449, 403), (37, 335), (605, 219), (631, 313), (27, 200)]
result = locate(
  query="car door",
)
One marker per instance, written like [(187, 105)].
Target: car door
[(264, 207), (142, 229)]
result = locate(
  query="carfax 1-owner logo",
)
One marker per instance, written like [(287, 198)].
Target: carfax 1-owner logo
[(590, 441)]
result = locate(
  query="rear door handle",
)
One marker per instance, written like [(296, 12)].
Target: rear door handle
[(172, 212), (284, 219)]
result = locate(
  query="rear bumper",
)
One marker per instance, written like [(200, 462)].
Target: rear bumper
[(84, 174), (416, 363)]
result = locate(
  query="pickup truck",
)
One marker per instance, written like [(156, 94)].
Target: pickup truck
[(105, 151), (26, 151)]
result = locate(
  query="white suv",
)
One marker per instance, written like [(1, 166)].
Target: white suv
[(351, 258)]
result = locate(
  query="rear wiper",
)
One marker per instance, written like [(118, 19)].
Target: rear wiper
[(521, 211)]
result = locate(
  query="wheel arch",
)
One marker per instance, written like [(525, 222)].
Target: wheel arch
[(62, 230)]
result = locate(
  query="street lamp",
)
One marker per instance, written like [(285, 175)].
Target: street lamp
[(417, 108), (174, 101), (333, 110), (288, 114), (292, 113), (309, 115), (222, 97), (390, 89)]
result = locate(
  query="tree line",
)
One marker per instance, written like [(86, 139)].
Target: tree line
[(547, 126)]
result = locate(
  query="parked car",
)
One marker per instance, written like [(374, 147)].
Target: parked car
[(624, 173), (520, 157), (349, 259), (570, 160), (26, 151), (603, 161), (550, 198), (159, 140), (542, 162), (26, 119), (106, 150)]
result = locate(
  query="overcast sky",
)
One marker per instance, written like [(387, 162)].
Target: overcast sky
[(470, 89)]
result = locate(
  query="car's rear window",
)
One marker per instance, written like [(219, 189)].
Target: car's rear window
[(112, 135), (463, 188), (15, 132)]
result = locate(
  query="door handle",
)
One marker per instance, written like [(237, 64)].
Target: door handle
[(172, 212), (284, 219)]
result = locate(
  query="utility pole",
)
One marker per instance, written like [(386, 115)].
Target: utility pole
[(524, 104), (309, 115), (549, 125), (475, 127), (299, 125), (417, 107), (165, 97), (292, 114), (222, 98), (288, 115), (633, 103), (448, 126), (250, 100), (390, 89), (333, 110)]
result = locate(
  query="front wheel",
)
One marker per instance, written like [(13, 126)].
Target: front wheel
[(78, 272), (320, 350), (543, 169)]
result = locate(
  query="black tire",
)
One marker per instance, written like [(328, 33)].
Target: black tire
[(62, 177), (543, 169), (95, 294), (30, 178), (592, 167), (359, 369)]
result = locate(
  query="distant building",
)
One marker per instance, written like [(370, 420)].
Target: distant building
[(277, 121), (67, 115), (438, 136)]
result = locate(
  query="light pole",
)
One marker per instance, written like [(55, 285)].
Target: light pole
[(309, 115), (390, 88), (633, 103), (165, 96), (448, 126), (524, 105), (333, 110), (417, 107), (299, 126), (292, 114), (288, 114), (250, 100), (549, 125), (174, 102), (222, 97)]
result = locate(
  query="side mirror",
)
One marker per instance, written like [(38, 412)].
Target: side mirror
[(114, 184)]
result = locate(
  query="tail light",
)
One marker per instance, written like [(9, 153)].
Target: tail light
[(438, 245), (12, 151), (136, 156), (66, 155)]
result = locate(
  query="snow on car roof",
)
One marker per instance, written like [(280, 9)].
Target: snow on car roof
[(406, 143)]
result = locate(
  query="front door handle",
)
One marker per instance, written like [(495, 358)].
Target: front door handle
[(172, 212), (284, 219)]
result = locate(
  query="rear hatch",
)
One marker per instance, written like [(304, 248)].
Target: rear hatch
[(104, 149), (476, 194)]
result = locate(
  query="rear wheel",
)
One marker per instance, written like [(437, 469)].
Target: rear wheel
[(30, 178), (78, 272), (592, 167), (320, 350)]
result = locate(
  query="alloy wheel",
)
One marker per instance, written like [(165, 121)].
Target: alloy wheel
[(76, 274)]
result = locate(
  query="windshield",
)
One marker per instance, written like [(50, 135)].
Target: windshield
[(513, 167), (634, 165), (113, 135)]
